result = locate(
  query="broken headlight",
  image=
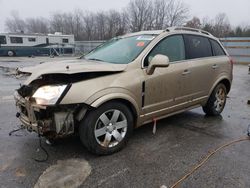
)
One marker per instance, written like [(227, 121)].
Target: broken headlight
[(48, 95)]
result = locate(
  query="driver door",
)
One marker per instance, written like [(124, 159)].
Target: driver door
[(167, 89)]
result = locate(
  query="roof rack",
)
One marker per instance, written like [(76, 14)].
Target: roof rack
[(188, 29)]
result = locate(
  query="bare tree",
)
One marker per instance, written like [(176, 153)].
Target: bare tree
[(160, 12), (37, 25), (88, 26), (57, 23), (221, 25), (15, 23), (100, 25), (177, 13), (194, 23), (78, 24), (139, 12)]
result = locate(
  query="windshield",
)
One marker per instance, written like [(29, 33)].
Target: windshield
[(120, 50)]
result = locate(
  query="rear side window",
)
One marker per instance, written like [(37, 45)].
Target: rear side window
[(2, 40), (16, 40), (217, 49), (172, 46), (197, 47)]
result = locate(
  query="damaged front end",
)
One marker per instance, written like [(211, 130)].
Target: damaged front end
[(40, 100), (39, 108)]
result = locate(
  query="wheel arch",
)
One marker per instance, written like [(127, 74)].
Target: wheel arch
[(227, 83), (223, 80), (122, 98)]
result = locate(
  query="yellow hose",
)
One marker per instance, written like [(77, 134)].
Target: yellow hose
[(210, 154)]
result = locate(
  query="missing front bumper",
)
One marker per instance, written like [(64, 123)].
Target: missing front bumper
[(52, 121)]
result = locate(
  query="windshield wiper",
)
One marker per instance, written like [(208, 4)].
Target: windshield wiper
[(95, 59)]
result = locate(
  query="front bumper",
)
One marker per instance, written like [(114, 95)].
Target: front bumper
[(50, 121)]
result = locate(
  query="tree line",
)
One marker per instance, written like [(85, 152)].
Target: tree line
[(219, 26), (85, 25), (136, 16)]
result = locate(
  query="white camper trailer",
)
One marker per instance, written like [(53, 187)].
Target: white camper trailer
[(35, 44)]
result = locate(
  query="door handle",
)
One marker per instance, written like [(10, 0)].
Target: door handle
[(185, 72), (215, 66)]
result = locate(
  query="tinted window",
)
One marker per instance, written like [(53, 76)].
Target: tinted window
[(197, 47), (65, 40), (172, 46), (16, 40), (32, 39), (217, 49), (2, 40)]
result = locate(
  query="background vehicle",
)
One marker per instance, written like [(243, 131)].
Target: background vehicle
[(35, 44), (125, 83)]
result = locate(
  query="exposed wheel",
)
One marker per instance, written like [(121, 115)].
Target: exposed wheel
[(216, 101), (10, 53), (106, 130)]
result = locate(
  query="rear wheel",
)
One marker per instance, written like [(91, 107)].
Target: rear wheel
[(106, 129), (216, 101), (11, 53)]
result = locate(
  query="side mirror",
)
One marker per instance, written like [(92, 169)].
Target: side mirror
[(157, 61)]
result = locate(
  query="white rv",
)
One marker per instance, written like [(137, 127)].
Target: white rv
[(35, 44)]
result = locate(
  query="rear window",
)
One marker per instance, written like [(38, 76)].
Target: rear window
[(16, 40), (2, 40), (217, 49), (197, 47)]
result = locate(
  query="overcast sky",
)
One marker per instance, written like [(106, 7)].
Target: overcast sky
[(238, 11)]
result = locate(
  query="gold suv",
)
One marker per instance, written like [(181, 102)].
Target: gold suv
[(126, 82)]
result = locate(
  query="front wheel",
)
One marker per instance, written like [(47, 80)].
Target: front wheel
[(106, 129), (216, 101)]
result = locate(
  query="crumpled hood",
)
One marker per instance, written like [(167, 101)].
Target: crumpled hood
[(71, 67)]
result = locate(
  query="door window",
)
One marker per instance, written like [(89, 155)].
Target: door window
[(197, 46), (172, 46)]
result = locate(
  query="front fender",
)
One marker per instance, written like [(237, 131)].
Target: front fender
[(114, 96)]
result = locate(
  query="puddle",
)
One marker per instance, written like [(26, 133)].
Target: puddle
[(69, 173)]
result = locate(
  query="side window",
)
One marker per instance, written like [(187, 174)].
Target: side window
[(172, 46), (32, 39), (197, 46), (16, 40), (65, 40), (3, 40), (217, 49)]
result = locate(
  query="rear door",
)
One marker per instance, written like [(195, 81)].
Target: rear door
[(200, 55)]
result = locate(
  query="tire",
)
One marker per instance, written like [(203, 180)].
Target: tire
[(216, 101), (11, 53), (106, 130)]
